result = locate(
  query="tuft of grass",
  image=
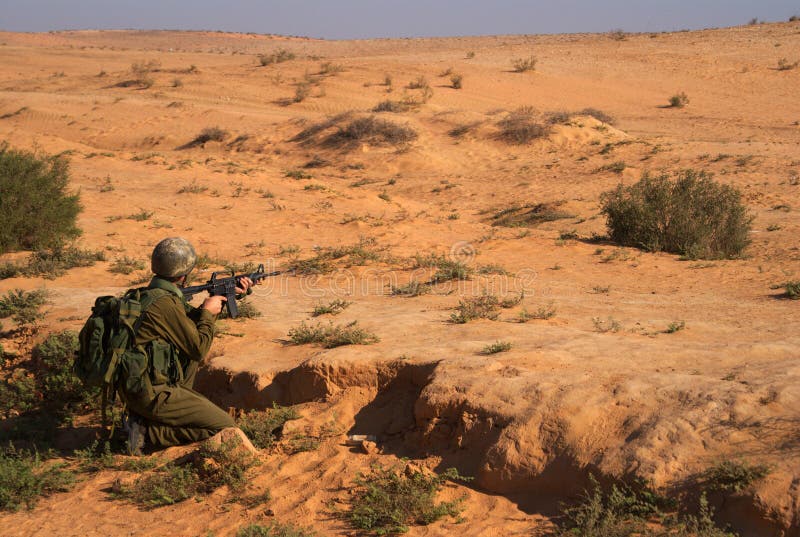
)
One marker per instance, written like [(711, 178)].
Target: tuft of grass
[(679, 100), (523, 65), (675, 326), (36, 210), (498, 346), (25, 478), (301, 92), (141, 216), (792, 289), (168, 485), (609, 325), (692, 216), (126, 265), (412, 288), (192, 188), (334, 307), (734, 476), (480, 307), (331, 335), (456, 81), (279, 56), (529, 215), (297, 174), (264, 428), (543, 312), (274, 530), (388, 500), (520, 127), (396, 107)]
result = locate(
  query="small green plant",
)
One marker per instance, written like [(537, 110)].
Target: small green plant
[(126, 265), (274, 530), (480, 307), (297, 174), (331, 335), (95, 458), (36, 211), (792, 289), (675, 326), (192, 188), (25, 478), (412, 288), (446, 269), (263, 428), (734, 476), (543, 313), (23, 307), (168, 485), (141, 216), (498, 346), (334, 307), (693, 216), (388, 500), (523, 65), (679, 100)]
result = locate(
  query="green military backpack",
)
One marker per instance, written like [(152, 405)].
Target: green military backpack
[(107, 348)]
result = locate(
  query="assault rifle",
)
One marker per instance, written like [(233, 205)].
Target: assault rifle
[(227, 287)]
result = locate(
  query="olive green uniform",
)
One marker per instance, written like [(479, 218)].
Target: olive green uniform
[(177, 337)]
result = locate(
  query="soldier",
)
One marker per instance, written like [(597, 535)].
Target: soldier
[(163, 408)]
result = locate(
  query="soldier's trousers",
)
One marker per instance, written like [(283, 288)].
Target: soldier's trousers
[(180, 415)]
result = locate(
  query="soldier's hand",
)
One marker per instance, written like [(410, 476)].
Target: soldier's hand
[(214, 304), (244, 284)]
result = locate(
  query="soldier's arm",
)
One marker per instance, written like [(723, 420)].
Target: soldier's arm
[(191, 336)]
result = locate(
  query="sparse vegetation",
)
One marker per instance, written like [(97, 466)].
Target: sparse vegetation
[(264, 428), (456, 81), (192, 188), (25, 478), (786, 65), (523, 65), (279, 56), (210, 134), (481, 307), (375, 130), (792, 289), (23, 307), (543, 312), (693, 216), (618, 35), (274, 530), (599, 115), (530, 215), (609, 325), (679, 100), (387, 500), (520, 127), (675, 326), (331, 335), (446, 269), (498, 346), (734, 476), (36, 211), (301, 92), (125, 265), (142, 73), (334, 307), (412, 288)]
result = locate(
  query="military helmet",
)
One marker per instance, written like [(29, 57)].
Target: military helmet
[(173, 257)]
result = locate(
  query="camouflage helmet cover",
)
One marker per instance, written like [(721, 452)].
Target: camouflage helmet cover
[(173, 257)]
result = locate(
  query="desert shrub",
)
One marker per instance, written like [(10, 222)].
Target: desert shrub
[(24, 478), (498, 346), (210, 134), (387, 500), (792, 289), (334, 307), (522, 65), (599, 115), (374, 130), (301, 92), (52, 365), (419, 83), (520, 127), (142, 70), (558, 118), (279, 56), (393, 106), (543, 312), (734, 476), (618, 35), (168, 485), (328, 68), (125, 265), (412, 288), (36, 211), (446, 269), (679, 100), (23, 307), (263, 428), (529, 215), (311, 266), (192, 188), (274, 530), (456, 81), (481, 307), (786, 65), (331, 335), (693, 216)]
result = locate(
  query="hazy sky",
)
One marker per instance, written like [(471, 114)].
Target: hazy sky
[(346, 19)]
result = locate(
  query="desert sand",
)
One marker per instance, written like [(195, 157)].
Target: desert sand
[(530, 424)]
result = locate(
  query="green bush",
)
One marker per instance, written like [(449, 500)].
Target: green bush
[(332, 335), (264, 427), (734, 476), (36, 211), (693, 216), (387, 500), (52, 263), (273, 530), (792, 290), (23, 307), (24, 478)]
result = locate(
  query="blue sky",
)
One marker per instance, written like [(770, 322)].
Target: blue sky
[(346, 19)]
